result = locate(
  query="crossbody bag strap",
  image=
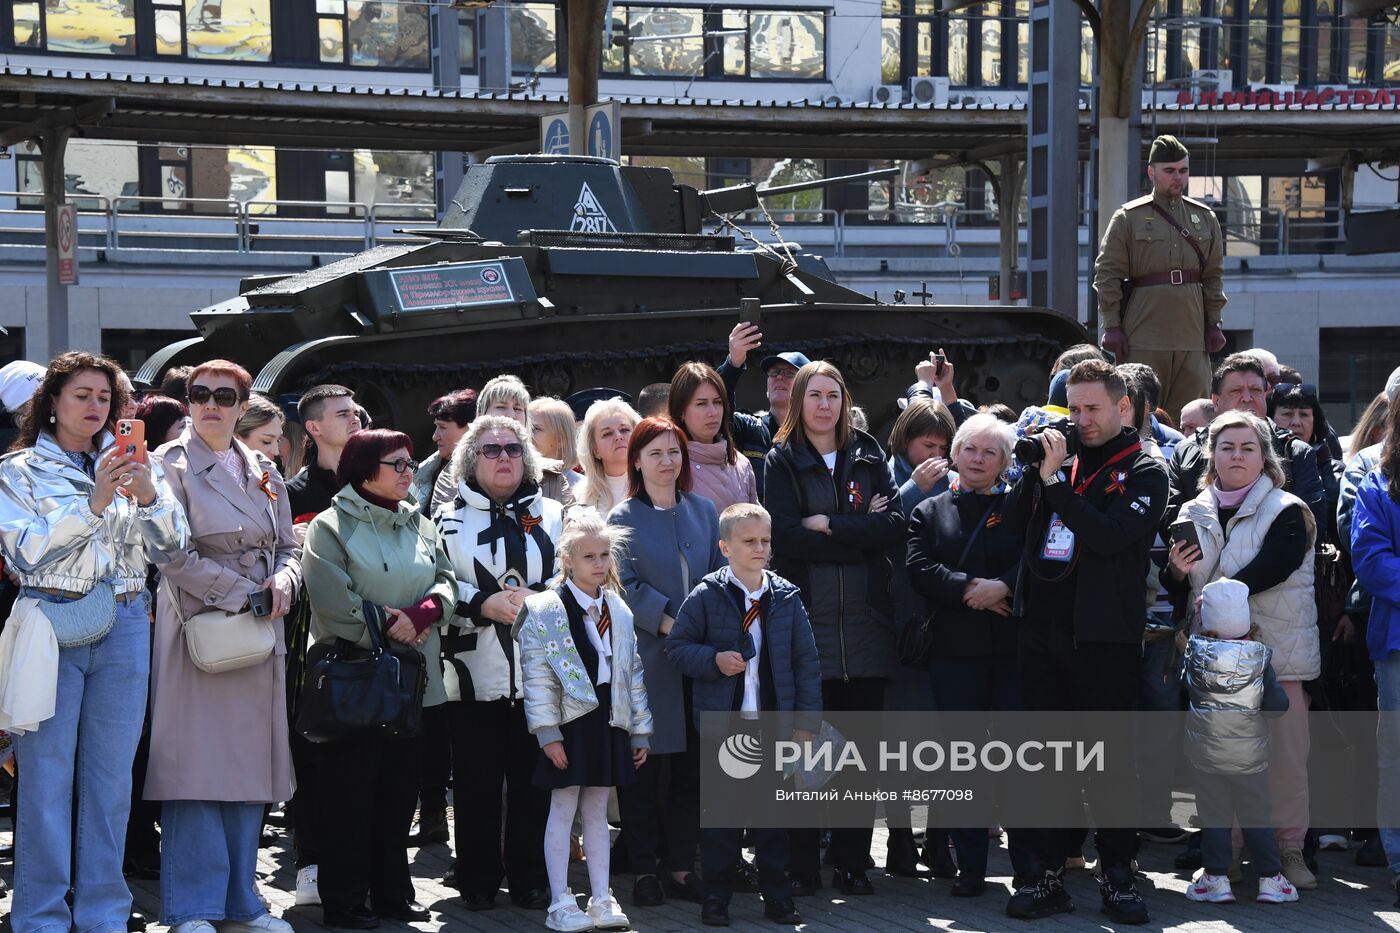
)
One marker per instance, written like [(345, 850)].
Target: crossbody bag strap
[(1186, 234), (972, 538)]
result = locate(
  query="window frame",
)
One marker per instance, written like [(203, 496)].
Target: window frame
[(712, 47)]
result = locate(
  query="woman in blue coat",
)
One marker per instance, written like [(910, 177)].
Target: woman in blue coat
[(674, 543), (1375, 558)]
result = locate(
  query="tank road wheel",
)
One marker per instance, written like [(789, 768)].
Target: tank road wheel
[(383, 402), (1024, 377), (550, 379), (859, 362)]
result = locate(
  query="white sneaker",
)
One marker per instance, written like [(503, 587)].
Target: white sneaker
[(606, 914), (1276, 890), (308, 894), (1214, 889), (565, 915), (263, 923), (193, 926), (1332, 842)]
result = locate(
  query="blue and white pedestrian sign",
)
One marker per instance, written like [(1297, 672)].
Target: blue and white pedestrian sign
[(604, 139), (554, 134)]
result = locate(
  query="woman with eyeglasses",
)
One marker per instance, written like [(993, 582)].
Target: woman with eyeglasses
[(373, 545), (500, 533), (212, 786)]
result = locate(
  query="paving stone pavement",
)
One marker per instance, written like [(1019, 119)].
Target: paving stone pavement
[(1347, 898)]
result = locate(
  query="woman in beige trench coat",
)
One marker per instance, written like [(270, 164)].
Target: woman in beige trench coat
[(219, 748)]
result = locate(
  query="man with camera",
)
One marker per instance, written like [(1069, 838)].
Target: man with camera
[(1240, 384), (1096, 499)]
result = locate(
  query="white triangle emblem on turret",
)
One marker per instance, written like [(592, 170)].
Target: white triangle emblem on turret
[(589, 216)]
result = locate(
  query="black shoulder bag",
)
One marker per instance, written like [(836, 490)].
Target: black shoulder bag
[(348, 688), (916, 641)]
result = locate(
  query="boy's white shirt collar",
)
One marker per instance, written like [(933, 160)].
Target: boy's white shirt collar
[(748, 706), (730, 577)]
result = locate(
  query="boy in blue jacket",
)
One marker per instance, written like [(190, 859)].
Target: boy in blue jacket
[(743, 637)]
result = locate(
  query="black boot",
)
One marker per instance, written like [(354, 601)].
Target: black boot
[(902, 856), (432, 829), (715, 911), (1372, 854), (937, 857)]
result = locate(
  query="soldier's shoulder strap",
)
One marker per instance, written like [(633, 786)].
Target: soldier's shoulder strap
[(1201, 204), (1143, 201)]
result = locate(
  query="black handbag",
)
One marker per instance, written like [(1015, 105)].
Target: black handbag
[(348, 689), (916, 640)]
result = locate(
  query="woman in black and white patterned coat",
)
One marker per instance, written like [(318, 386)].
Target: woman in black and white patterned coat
[(500, 534)]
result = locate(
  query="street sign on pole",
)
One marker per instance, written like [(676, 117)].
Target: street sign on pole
[(67, 245), (604, 123), (554, 134)]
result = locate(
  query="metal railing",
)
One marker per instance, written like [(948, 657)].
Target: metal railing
[(137, 222), (228, 225)]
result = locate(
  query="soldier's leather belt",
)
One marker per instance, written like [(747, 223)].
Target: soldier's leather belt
[(1174, 277)]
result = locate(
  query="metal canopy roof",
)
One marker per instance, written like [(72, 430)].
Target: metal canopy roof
[(226, 111)]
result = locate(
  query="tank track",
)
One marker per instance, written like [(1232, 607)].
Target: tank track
[(862, 358)]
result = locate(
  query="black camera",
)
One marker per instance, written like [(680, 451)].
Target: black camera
[(1031, 449)]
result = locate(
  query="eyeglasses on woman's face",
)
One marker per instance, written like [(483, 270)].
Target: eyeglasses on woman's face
[(223, 396), (494, 451), (401, 465)]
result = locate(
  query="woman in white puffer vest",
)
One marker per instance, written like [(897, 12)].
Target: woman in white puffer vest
[(1252, 531)]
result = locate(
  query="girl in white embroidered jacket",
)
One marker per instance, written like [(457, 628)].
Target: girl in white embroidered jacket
[(576, 646)]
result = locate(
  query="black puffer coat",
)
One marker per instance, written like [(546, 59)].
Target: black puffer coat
[(844, 576)]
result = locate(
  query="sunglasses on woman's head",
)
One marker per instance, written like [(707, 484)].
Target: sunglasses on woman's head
[(1286, 389), (224, 397), (494, 451), (401, 465)]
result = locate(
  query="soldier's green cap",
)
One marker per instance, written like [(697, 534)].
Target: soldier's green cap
[(1166, 149)]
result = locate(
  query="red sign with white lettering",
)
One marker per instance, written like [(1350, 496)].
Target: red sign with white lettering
[(1298, 97)]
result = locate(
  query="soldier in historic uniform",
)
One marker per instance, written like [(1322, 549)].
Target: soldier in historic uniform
[(1159, 278)]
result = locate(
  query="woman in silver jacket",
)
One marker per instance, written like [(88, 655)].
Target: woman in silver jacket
[(75, 511)]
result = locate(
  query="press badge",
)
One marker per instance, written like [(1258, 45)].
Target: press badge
[(1059, 541)]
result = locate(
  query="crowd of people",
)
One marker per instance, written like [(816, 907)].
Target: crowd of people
[(586, 577)]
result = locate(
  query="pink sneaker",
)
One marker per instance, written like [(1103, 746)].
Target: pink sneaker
[(1276, 890), (1213, 889)]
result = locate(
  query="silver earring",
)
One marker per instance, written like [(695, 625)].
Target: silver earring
[(53, 420)]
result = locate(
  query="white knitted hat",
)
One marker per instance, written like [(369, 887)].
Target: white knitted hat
[(1225, 608)]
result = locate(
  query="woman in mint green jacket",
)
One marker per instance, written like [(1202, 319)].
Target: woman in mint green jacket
[(373, 545)]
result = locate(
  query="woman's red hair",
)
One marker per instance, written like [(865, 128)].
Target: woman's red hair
[(646, 431)]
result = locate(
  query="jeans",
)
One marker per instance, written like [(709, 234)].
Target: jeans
[(87, 747), (1157, 745), (1388, 749), (208, 860), (1224, 799)]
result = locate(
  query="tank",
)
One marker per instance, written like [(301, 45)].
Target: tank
[(574, 272)]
